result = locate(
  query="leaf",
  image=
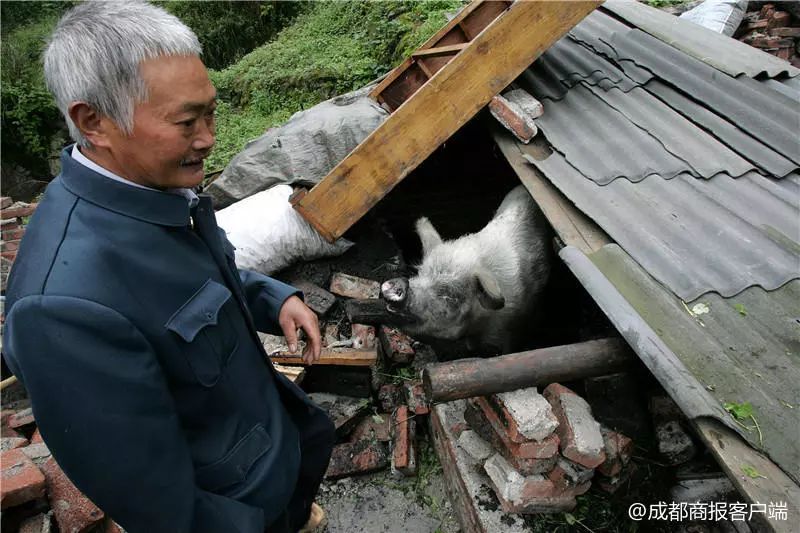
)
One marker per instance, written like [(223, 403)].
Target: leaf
[(570, 519), (378, 419), (752, 472), (741, 309), (739, 411)]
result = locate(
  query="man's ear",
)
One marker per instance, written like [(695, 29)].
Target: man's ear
[(488, 290), (428, 235), (95, 127)]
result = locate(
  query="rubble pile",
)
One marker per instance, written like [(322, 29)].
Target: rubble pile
[(541, 451), (773, 31)]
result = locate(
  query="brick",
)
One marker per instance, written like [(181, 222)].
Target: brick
[(9, 224), (527, 415), (415, 398), (793, 32), (358, 457), (10, 246), (10, 441), (21, 419), (8, 255), (41, 523), (5, 201), (619, 450), (532, 107), (39, 453), (570, 478), (766, 11), (578, 432), (612, 484), (524, 494), (354, 287), (779, 19), (396, 346), (37, 437), (785, 53), (375, 427), (547, 450), (389, 396), (404, 457), (513, 118), (363, 336), (318, 299), (530, 449), (475, 445), (757, 25), (74, 512), (20, 209), (22, 480), (14, 234)]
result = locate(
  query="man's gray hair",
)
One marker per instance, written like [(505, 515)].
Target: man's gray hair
[(94, 54)]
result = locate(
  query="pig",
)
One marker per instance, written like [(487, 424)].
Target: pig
[(482, 288)]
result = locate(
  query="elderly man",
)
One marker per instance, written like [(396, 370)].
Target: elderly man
[(126, 318)]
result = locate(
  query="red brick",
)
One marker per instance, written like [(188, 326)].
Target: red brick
[(415, 398), (785, 32), (785, 53), (10, 246), (354, 287), (389, 396), (397, 346), (358, 457), (404, 458), (37, 437), (573, 412), (22, 210), (529, 449), (316, 298), (619, 450), (363, 336), (13, 234), (758, 25), (513, 119), (22, 480), (569, 478), (11, 439), (41, 523), (21, 419), (39, 453), (525, 494), (612, 484), (8, 255), (536, 406), (8, 224), (377, 427), (5, 201), (779, 19), (73, 511)]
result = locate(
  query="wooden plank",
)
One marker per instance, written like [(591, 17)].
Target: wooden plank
[(772, 485), (335, 356), (438, 109), (572, 225), (440, 50), (409, 81), (483, 15)]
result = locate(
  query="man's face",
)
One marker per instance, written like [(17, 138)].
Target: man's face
[(173, 131)]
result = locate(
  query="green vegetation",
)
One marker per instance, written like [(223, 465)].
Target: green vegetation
[(664, 3), (743, 412)]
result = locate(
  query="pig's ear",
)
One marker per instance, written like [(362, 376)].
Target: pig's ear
[(428, 235), (489, 294)]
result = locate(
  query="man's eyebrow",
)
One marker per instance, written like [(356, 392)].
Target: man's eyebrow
[(195, 107)]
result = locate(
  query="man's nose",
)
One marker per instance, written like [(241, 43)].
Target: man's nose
[(205, 138)]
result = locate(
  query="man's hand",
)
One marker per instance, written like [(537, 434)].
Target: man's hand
[(294, 314)]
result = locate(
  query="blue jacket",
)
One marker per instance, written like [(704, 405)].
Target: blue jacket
[(135, 336)]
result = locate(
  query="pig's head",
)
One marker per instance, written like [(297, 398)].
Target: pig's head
[(450, 292)]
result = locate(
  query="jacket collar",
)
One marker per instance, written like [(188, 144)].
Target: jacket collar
[(155, 207)]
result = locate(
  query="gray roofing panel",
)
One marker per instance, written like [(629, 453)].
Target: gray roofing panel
[(721, 52), (702, 152), (744, 349), (695, 236), (784, 88), (755, 108), (750, 148)]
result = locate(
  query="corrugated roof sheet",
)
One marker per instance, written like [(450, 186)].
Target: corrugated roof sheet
[(721, 52), (764, 113)]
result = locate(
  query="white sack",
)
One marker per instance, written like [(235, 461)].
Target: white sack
[(721, 16), (270, 235)]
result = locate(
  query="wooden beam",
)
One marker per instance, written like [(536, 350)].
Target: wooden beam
[(335, 356), (451, 49), (466, 378), (438, 109)]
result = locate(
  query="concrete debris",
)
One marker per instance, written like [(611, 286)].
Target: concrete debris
[(578, 431), (475, 446), (528, 414)]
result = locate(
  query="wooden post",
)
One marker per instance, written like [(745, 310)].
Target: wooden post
[(438, 109), (466, 378)]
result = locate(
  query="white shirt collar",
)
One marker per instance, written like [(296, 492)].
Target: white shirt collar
[(189, 194)]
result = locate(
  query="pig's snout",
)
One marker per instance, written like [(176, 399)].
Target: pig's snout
[(395, 291)]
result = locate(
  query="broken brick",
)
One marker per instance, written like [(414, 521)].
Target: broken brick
[(570, 477), (41, 523), (37, 437), (377, 427), (354, 287), (389, 396), (13, 234), (513, 118), (779, 19), (21, 419), (363, 336), (612, 484), (524, 494), (404, 432), (17, 210), (415, 398), (475, 446), (22, 480), (793, 32), (619, 450), (318, 299), (39, 453), (547, 450), (5, 201), (358, 457), (578, 432), (529, 449), (11, 439), (11, 246), (527, 414), (73, 511), (396, 345)]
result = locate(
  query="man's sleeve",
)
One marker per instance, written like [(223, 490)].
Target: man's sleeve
[(265, 297), (102, 405)]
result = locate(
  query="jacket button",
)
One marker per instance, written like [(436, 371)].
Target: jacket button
[(209, 315)]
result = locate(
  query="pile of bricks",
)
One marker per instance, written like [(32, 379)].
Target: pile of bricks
[(12, 215), (35, 492), (773, 31), (541, 451)]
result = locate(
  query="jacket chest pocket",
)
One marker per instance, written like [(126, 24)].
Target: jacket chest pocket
[(205, 331)]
